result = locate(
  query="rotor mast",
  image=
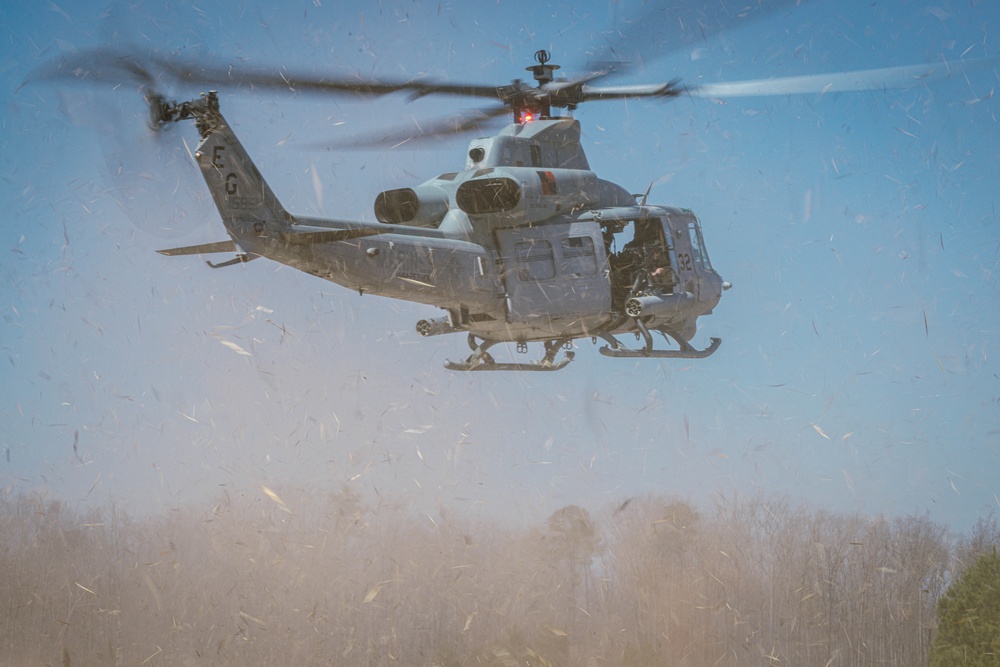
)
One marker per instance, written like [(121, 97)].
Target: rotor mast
[(532, 107)]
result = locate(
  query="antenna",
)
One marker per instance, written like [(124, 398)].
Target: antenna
[(542, 71)]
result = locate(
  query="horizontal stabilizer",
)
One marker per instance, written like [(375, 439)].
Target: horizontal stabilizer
[(203, 249)]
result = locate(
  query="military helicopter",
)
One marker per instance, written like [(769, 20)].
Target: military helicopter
[(520, 246), (517, 247)]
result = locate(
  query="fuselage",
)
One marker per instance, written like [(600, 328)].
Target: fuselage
[(520, 245)]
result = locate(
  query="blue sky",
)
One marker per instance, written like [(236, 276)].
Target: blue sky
[(861, 232)]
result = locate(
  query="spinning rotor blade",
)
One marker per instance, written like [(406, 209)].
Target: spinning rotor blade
[(109, 65), (883, 78), (661, 28), (664, 90), (99, 65), (420, 132), (103, 65), (665, 27), (141, 169), (261, 78)]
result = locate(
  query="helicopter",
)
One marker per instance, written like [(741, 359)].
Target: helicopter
[(519, 246)]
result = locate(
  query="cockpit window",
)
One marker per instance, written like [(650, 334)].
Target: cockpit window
[(698, 246)]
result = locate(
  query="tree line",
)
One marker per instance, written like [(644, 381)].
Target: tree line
[(318, 579)]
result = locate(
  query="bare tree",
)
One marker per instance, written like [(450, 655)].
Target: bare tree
[(288, 576)]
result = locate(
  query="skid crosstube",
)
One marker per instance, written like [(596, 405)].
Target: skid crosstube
[(481, 360)]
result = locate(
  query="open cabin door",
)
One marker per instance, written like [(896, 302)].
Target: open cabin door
[(554, 272), (647, 263)]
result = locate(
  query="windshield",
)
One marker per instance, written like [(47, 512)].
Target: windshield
[(698, 246)]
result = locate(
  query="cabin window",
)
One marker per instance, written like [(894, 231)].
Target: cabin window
[(579, 258), (534, 260)]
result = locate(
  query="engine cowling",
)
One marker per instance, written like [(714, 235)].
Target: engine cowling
[(481, 196), (422, 206), (511, 194)]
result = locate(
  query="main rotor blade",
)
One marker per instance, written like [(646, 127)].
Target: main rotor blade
[(665, 26), (466, 122), (99, 65), (883, 78), (103, 65), (668, 89), (286, 79), (109, 65)]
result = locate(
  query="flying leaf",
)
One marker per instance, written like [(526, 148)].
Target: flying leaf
[(274, 496), (373, 593), (235, 348), (253, 618)]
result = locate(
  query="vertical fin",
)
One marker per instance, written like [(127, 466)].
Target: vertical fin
[(239, 190)]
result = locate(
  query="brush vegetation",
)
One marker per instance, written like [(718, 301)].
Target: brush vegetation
[(324, 579)]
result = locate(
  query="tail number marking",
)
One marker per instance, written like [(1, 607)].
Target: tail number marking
[(232, 187)]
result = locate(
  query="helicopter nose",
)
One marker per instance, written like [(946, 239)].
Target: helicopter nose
[(726, 285)]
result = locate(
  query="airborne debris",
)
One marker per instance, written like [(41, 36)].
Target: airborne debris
[(278, 501), (234, 347)]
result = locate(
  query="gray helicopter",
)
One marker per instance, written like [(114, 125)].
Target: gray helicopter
[(518, 247), (523, 245)]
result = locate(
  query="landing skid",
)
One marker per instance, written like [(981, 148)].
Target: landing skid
[(616, 349), (489, 365), (481, 360)]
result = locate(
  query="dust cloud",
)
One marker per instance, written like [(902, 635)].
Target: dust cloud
[(306, 578)]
